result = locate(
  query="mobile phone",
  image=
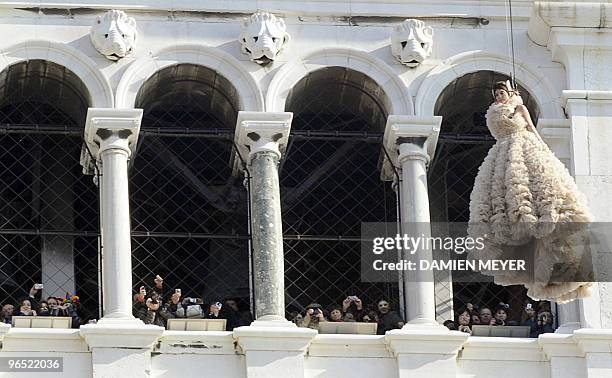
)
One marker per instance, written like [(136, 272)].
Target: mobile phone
[(353, 297), (38, 286)]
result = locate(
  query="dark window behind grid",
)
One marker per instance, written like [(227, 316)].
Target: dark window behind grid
[(189, 214), (462, 146), (330, 183), (48, 208)]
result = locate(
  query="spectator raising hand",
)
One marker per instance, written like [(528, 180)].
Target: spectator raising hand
[(159, 282)]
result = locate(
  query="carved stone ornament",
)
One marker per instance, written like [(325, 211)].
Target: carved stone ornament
[(263, 36), (114, 34), (412, 42)]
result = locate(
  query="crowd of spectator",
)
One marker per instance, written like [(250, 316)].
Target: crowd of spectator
[(158, 304), (536, 315), (34, 305), (352, 309)]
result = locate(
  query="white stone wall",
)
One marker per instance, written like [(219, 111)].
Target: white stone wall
[(184, 354)]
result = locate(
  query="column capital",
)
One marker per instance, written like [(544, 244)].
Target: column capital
[(108, 128), (409, 137), (258, 132)]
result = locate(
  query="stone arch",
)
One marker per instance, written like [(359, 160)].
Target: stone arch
[(249, 95), (379, 71), (455, 67), (100, 91)]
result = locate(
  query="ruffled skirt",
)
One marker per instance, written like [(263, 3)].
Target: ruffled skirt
[(525, 205)]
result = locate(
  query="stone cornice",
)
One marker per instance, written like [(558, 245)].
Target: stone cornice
[(547, 15), (375, 8), (585, 95)]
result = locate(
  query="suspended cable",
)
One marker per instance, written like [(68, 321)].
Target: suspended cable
[(512, 44), (510, 38)]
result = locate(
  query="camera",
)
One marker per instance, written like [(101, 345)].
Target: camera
[(192, 300), (316, 311), (498, 322), (38, 286)]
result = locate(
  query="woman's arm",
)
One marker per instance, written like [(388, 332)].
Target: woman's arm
[(522, 109)]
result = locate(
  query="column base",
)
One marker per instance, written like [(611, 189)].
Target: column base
[(274, 352), (121, 347), (423, 348), (596, 344), (564, 355), (568, 328), (120, 333)]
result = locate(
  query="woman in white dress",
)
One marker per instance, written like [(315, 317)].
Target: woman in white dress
[(526, 205)]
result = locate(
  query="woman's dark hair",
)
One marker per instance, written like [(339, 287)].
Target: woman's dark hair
[(21, 300), (504, 85), (461, 311)]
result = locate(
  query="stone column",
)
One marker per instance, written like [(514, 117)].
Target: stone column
[(422, 345), (410, 142), (111, 136), (120, 344), (261, 138), (273, 346)]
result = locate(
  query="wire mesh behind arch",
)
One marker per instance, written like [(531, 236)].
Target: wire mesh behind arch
[(189, 214), (330, 183), (48, 208)]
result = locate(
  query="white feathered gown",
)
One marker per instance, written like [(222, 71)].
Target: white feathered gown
[(526, 205)]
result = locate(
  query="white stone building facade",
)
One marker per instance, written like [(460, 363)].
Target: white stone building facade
[(561, 55)]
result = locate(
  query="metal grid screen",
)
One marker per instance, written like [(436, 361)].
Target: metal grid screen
[(48, 208), (330, 183), (189, 214)]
